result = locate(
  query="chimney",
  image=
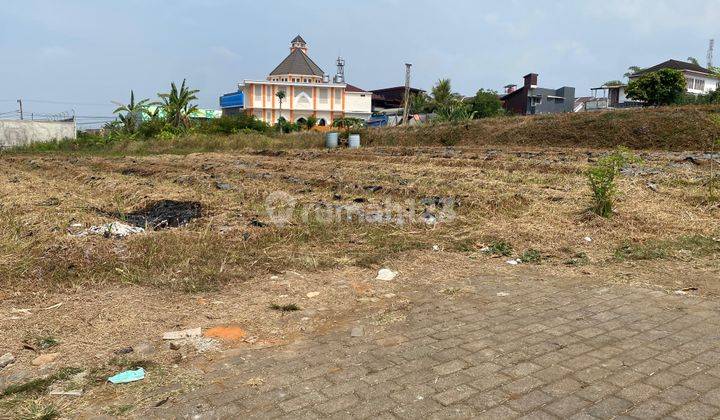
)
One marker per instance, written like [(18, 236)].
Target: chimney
[(531, 80), (510, 88)]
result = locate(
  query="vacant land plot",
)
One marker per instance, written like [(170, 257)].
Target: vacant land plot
[(286, 243)]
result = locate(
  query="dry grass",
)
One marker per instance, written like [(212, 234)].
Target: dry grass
[(531, 199)]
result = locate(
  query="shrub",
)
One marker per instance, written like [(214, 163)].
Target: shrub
[(601, 178)]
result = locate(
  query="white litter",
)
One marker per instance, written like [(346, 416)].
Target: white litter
[(503, 294), (114, 229), (513, 262), (386, 274), (313, 294), (587, 239), (435, 248), (179, 335)]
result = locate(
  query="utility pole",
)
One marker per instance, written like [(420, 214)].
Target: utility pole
[(406, 99), (21, 110)]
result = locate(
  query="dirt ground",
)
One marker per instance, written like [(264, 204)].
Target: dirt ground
[(434, 215)]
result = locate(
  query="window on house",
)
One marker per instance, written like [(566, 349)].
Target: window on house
[(699, 84)]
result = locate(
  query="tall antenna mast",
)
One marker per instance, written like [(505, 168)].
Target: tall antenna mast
[(711, 49), (406, 99)]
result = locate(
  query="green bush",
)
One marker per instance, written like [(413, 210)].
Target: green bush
[(601, 178), (232, 124)]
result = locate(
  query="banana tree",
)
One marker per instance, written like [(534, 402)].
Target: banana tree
[(132, 117), (177, 104)]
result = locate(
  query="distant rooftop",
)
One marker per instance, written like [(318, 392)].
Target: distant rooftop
[(675, 65)]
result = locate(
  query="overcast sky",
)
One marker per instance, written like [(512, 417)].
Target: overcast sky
[(86, 53)]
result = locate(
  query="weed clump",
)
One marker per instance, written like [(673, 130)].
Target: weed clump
[(500, 248)]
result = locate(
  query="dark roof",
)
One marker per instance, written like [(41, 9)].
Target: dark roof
[(297, 63), (676, 65), (298, 39), (396, 88), (351, 88), (513, 93)]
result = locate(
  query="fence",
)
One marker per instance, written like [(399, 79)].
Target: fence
[(15, 133)]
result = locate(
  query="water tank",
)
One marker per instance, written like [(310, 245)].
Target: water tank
[(354, 141), (331, 140)]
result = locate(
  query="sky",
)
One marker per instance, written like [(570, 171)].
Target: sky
[(80, 55)]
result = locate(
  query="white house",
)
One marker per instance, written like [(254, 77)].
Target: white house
[(700, 80), (308, 91)]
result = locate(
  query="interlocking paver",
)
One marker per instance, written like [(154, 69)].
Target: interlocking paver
[(566, 350)]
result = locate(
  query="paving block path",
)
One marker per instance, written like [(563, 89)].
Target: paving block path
[(538, 350)]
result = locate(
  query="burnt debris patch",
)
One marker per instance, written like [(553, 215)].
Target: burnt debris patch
[(164, 214)]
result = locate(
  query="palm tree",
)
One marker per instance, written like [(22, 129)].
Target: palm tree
[(442, 92), (632, 70), (177, 104), (133, 112), (280, 95)]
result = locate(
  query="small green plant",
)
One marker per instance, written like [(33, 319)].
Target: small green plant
[(531, 256), (45, 342), (290, 307), (601, 178), (578, 259), (501, 248)]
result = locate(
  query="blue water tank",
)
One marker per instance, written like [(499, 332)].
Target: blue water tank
[(232, 100)]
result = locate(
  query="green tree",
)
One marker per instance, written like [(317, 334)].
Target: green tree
[(177, 104), (662, 87), (633, 70), (280, 95), (613, 83), (442, 95), (419, 103), (693, 60), (132, 118), (311, 122), (486, 103)]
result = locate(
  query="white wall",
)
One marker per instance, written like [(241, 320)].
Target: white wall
[(710, 84), (21, 133)]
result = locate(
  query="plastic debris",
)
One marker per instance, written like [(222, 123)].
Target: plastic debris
[(357, 332), (71, 393), (179, 335), (128, 376), (386, 274), (513, 262), (587, 239), (114, 229), (503, 294), (435, 248), (313, 294)]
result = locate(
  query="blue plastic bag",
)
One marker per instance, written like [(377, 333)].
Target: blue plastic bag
[(128, 376)]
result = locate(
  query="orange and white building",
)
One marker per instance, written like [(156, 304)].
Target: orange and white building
[(308, 91)]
